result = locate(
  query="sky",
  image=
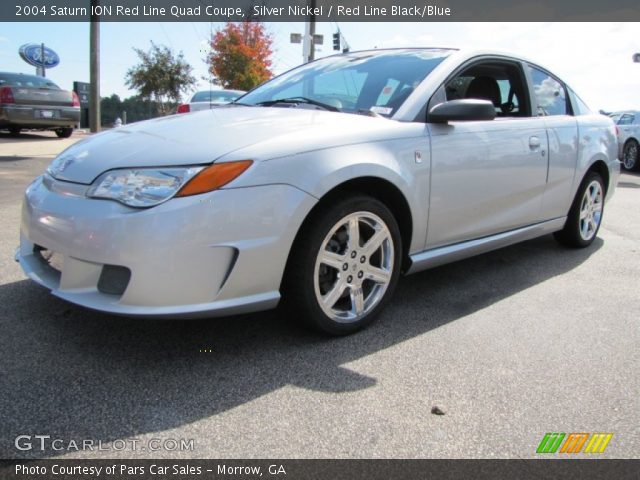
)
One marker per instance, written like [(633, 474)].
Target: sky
[(595, 59)]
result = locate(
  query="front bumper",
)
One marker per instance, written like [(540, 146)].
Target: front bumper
[(207, 255), (27, 116)]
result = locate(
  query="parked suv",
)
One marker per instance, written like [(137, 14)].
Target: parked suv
[(33, 102)]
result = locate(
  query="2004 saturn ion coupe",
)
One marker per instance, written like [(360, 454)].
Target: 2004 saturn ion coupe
[(321, 186)]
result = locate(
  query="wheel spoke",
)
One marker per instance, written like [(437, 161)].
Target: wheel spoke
[(331, 297), (357, 300), (377, 275), (583, 213), (374, 243), (584, 228), (331, 259), (354, 233)]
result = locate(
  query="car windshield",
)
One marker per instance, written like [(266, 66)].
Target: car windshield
[(359, 82), (29, 81), (216, 96)]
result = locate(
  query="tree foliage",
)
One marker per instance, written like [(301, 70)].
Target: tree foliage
[(240, 55), (160, 76)]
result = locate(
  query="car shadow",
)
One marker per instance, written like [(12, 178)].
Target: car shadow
[(6, 137), (76, 374)]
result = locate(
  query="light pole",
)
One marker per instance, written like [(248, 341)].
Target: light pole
[(94, 69)]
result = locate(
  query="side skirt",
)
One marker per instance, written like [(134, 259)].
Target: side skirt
[(451, 253)]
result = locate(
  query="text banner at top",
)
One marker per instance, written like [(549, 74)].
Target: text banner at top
[(321, 10)]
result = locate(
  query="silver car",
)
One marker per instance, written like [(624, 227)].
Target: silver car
[(206, 99), (36, 103), (628, 138), (320, 188)]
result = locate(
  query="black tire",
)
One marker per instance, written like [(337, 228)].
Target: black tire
[(302, 291), (64, 132), (574, 234), (15, 131), (630, 154)]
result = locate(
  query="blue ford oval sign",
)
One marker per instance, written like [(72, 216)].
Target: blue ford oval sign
[(37, 56)]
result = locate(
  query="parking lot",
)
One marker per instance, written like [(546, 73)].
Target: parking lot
[(510, 345)]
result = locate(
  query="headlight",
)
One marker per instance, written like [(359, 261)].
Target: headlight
[(146, 187)]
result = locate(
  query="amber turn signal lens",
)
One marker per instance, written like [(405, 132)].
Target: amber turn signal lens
[(213, 177)]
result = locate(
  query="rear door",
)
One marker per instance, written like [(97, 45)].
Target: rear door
[(487, 177), (553, 108)]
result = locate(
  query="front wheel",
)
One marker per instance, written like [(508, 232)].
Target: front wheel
[(630, 155), (585, 216), (344, 265)]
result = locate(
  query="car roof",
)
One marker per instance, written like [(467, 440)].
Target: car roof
[(457, 52)]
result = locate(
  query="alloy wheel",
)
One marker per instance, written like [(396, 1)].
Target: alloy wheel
[(354, 267), (630, 156), (591, 210)]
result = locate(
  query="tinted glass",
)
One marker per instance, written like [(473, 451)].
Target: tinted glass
[(29, 81), (354, 82), (626, 119), (550, 94)]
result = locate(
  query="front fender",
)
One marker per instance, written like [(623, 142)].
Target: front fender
[(318, 172)]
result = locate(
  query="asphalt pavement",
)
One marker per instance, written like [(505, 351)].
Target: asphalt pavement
[(510, 345)]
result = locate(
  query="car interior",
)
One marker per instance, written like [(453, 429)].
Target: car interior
[(500, 83)]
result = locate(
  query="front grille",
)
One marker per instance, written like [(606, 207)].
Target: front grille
[(114, 279)]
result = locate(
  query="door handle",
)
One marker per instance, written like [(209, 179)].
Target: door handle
[(534, 142)]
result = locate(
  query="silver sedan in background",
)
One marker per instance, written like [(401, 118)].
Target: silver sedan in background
[(207, 99), (320, 188), (628, 138)]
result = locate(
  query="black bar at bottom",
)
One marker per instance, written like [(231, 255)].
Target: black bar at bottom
[(321, 469)]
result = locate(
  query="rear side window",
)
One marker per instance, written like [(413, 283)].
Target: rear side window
[(549, 93), (28, 81), (579, 107), (626, 119)]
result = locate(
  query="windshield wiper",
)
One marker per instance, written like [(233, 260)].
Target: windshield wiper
[(309, 101)]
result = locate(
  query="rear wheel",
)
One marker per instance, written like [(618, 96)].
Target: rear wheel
[(15, 131), (64, 132), (630, 155), (345, 265), (585, 216)]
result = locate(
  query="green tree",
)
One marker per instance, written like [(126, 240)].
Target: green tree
[(160, 76), (240, 55)]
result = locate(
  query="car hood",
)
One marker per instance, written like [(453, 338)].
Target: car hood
[(204, 137)]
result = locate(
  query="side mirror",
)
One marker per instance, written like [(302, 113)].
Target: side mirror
[(467, 109)]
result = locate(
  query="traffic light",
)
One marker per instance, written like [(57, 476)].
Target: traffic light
[(336, 41)]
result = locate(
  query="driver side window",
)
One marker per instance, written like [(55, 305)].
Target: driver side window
[(501, 83)]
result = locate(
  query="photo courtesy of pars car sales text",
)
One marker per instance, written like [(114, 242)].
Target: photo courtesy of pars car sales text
[(151, 470)]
